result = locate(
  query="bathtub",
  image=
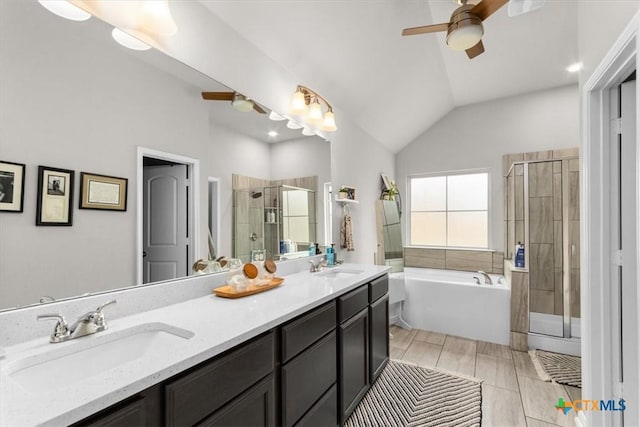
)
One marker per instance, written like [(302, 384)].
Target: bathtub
[(452, 303)]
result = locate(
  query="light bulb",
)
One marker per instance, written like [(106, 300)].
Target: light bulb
[(65, 9), (329, 122), (128, 40), (298, 103), (315, 112)]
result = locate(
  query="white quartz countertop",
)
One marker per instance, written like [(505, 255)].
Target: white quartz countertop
[(218, 324)]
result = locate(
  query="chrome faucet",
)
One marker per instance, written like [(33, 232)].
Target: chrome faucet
[(87, 324), (316, 266), (487, 278)]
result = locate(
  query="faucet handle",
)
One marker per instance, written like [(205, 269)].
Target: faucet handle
[(61, 330), (99, 309)]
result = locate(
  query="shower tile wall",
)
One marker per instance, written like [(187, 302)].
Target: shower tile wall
[(545, 195)]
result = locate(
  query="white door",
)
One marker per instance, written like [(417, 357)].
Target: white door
[(628, 245), (165, 223)]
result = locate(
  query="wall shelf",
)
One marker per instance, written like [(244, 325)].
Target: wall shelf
[(350, 201)]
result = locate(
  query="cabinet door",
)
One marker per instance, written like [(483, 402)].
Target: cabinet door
[(255, 407), (379, 318), (354, 362)]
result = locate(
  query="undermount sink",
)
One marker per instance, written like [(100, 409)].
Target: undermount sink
[(92, 356), (339, 273)]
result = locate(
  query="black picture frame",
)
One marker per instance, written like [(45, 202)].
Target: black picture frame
[(12, 186), (54, 205), (111, 194)]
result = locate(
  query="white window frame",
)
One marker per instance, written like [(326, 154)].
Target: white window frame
[(447, 174)]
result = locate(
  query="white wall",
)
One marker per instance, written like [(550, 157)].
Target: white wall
[(476, 136), (87, 109)]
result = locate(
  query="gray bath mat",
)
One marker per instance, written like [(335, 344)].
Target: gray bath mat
[(408, 395), (556, 367)]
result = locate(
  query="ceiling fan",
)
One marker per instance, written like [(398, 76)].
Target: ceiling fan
[(238, 101), (464, 29)]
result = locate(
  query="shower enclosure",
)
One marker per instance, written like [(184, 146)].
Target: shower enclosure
[(542, 212)]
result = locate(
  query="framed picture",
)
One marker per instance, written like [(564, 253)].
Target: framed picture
[(11, 186), (55, 196), (103, 192), (385, 181)]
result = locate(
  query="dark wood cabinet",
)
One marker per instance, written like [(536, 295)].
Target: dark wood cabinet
[(379, 334), (353, 358), (255, 407), (310, 372)]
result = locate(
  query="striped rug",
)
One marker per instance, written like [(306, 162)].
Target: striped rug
[(556, 367), (408, 395)]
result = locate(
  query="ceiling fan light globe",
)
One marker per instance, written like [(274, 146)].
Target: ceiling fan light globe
[(329, 122), (298, 103), (65, 9), (465, 36)]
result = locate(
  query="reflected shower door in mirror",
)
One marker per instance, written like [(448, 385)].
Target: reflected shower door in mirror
[(71, 98), (275, 217)]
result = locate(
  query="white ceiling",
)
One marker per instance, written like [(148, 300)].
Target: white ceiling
[(395, 87)]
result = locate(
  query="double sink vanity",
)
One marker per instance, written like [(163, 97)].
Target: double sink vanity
[(304, 353)]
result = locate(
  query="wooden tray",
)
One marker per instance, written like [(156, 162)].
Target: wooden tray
[(227, 291)]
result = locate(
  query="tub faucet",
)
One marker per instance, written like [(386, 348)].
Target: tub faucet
[(487, 278)]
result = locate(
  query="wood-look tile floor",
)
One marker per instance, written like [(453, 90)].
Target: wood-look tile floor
[(512, 393)]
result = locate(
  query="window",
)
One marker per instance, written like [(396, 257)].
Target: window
[(449, 210)]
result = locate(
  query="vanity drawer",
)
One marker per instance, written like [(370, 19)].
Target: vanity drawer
[(353, 302), (307, 377), (324, 412), (304, 331), (207, 388), (378, 288)]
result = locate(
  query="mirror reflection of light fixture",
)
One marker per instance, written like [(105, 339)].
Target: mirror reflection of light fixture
[(307, 131), (276, 117), (306, 102), (65, 9), (293, 125), (241, 103), (128, 40)]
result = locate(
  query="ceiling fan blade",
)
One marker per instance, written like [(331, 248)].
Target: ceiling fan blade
[(218, 96), (475, 50), (486, 8), (258, 108), (425, 29)]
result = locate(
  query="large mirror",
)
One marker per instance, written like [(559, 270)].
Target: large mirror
[(71, 98)]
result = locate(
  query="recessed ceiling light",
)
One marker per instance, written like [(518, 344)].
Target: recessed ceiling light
[(272, 133), (574, 68)]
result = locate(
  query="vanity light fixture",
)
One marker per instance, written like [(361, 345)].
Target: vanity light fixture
[(307, 103), (65, 9), (128, 40)]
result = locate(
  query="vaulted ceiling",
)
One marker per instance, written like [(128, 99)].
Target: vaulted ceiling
[(394, 87)]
